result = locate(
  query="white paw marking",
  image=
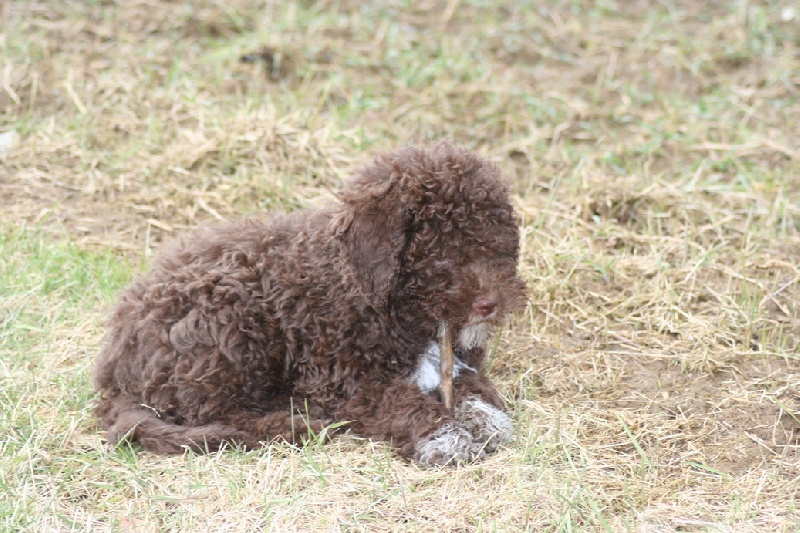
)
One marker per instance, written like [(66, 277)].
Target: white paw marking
[(452, 443), (490, 426), (427, 375)]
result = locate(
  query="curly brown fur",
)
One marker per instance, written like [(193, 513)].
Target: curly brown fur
[(258, 330)]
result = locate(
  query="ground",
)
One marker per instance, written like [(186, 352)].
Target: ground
[(654, 154)]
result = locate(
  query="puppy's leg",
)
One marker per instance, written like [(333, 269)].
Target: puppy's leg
[(415, 423), (480, 408)]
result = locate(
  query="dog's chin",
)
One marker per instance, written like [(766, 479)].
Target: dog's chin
[(474, 335)]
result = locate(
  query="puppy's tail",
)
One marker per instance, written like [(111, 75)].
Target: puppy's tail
[(126, 419)]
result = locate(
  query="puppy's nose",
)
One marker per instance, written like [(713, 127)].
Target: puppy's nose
[(486, 305)]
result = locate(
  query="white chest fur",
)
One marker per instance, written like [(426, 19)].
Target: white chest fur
[(427, 375)]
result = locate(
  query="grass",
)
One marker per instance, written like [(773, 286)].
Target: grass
[(652, 151)]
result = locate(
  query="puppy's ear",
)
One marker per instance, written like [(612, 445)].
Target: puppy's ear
[(374, 227)]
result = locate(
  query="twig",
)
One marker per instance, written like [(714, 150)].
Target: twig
[(446, 366)]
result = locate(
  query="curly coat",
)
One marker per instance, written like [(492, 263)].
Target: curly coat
[(256, 330)]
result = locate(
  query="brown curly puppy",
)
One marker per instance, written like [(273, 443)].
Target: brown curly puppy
[(255, 330)]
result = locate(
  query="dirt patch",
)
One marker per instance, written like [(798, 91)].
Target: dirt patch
[(651, 409), (734, 416)]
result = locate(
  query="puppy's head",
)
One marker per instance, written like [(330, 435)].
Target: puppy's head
[(432, 232)]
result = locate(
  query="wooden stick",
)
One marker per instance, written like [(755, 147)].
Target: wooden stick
[(446, 366)]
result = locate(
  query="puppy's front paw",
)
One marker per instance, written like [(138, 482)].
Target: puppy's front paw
[(490, 427), (450, 444)]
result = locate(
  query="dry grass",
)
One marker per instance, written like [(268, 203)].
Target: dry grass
[(654, 149)]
